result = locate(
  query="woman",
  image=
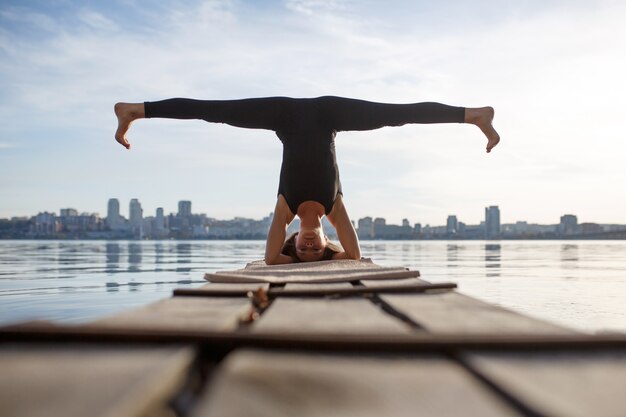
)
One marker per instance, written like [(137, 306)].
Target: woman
[(309, 184)]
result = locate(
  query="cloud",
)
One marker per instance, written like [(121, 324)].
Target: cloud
[(33, 19), (314, 7), (97, 20)]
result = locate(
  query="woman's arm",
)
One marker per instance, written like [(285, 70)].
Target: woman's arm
[(277, 233), (339, 218)]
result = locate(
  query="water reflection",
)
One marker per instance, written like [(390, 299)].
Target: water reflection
[(134, 257), (158, 256), (183, 256), (112, 287), (65, 255), (492, 259), (112, 257), (569, 254), (452, 255), (569, 260)]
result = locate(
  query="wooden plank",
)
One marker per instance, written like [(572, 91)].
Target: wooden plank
[(256, 383), (249, 286), (40, 380), (390, 282), (221, 341), (353, 315), (322, 271), (215, 289), (560, 384), (190, 313), (454, 313), (320, 290), (320, 286), (360, 290)]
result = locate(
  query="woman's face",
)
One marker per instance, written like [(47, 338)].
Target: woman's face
[(310, 244)]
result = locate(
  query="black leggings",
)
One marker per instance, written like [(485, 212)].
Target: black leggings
[(277, 113)]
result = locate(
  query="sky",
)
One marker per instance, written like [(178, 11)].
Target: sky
[(553, 71)]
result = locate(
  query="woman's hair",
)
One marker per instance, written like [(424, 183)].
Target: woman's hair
[(289, 249)]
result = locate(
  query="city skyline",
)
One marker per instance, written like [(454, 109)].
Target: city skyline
[(558, 102), (185, 224), (491, 220), (479, 209)]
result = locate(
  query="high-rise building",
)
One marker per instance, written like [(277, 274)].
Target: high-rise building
[(492, 222), (365, 228), (159, 223), (452, 225), (379, 227), (135, 213), (184, 208), (113, 213), (405, 223), (113, 208)]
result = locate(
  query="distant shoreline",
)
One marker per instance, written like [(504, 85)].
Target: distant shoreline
[(253, 239)]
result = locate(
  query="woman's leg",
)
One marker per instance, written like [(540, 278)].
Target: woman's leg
[(351, 114), (254, 113)]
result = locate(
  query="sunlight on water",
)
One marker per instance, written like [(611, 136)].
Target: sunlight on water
[(577, 284), (581, 284)]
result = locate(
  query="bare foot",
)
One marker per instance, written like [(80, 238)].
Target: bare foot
[(126, 113), (483, 118)]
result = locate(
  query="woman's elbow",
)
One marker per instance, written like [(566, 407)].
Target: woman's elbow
[(356, 255), (278, 260)]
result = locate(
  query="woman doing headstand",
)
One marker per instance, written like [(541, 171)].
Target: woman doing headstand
[(309, 184)]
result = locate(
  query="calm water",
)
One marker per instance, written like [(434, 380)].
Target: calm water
[(578, 284)]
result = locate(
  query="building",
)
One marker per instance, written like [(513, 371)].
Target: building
[(379, 227), (365, 229), (184, 208), (492, 222), (159, 229), (568, 225), (587, 228), (452, 225), (68, 212), (45, 224), (135, 214), (113, 219), (78, 225)]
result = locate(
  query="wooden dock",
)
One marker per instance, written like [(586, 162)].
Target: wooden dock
[(332, 338)]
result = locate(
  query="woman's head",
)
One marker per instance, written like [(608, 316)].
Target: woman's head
[(308, 246)]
